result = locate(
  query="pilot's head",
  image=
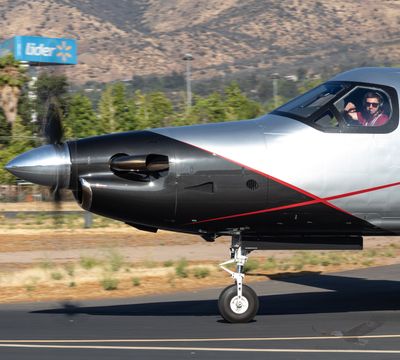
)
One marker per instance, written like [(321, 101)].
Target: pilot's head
[(373, 102)]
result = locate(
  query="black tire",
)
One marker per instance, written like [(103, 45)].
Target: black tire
[(233, 314)]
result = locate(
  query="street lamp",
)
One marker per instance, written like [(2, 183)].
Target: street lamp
[(188, 58)]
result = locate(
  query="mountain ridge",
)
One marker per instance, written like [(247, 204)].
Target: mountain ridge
[(118, 40)]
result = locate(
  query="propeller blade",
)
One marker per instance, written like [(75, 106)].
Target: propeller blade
[(57, 216), (56, 194), (53, 132), (53, 128)]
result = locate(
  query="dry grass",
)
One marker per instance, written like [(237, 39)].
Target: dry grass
[(99, 269), (111, 276)]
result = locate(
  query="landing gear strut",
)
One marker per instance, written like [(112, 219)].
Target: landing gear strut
[(237, 303)]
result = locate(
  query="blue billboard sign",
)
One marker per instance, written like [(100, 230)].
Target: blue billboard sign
[(35, 49)]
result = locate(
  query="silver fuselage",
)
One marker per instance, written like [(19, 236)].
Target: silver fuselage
[(356, 172), (259, 175)]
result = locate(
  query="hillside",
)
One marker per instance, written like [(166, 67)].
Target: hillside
[(120, 39)]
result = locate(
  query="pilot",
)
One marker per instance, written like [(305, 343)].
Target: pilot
[(373, 114), (351, 115)]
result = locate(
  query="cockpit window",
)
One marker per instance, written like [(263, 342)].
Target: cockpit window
[(365, 106), (327, 121), (306, 105), (346, 107)]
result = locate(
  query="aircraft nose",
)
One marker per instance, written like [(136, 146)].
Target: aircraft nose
[(48, 165)]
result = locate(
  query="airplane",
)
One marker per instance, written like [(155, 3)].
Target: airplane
[(301, 177)]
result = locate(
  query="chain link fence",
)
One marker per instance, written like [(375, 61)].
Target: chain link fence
[(27, 198)]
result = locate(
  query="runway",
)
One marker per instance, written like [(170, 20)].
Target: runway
[(348, 315)]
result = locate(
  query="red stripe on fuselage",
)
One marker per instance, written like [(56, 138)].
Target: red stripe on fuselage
[(284, 183), (304, 203), (317, 200), (358, 192)]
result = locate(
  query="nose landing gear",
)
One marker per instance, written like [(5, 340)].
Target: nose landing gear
[(237, 303)]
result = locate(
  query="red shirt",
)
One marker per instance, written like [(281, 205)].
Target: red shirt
[(377, 120)]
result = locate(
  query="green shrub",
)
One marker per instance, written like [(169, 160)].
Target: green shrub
[(311, 258), (135, 281), (325, 262), (168, 263), (298, 266), (251, 264), (46, 264), (31, 284), (370, 253), (201, 272), (270, 264), (389, 253), (368, 262), (284, 266), (336, 259), (116, 260), (181, 268), (30, 287), (109, 283), (298, 261), (56, 275), (88, 262)]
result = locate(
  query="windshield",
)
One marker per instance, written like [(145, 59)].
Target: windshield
[(309, 103)]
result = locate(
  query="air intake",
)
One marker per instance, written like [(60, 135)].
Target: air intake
[(139, 163)]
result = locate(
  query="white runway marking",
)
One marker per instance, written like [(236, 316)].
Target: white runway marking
[(166, 348), (303, 338), (46, 344)]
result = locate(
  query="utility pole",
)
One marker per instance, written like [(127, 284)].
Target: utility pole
[(275, 77), (188, 58)]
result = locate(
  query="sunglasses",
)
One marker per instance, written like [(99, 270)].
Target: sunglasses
[(374, 105)]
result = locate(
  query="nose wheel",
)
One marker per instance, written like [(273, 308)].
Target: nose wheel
[(237, 303), (235, 309)]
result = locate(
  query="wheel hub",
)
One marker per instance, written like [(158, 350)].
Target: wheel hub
[(239, 305)]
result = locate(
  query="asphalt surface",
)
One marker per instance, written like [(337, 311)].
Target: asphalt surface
[(348, 315)]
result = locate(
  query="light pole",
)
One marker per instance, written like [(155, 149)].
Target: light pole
[(188, 58), (275, 77)]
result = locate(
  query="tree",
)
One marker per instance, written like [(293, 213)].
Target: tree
[(208, 109), (308, 85), (124, 109), (81, 120), (264, 89), (21, 141), (26, 108), (5, 131), (153, 110), (238, 106), (116, 111), (107, 112), (50, 87), (12, 78), (142, 110), (161, 109), (270, 104)]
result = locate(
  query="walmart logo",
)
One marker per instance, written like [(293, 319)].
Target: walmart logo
[(44, 50), (64, 51)]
